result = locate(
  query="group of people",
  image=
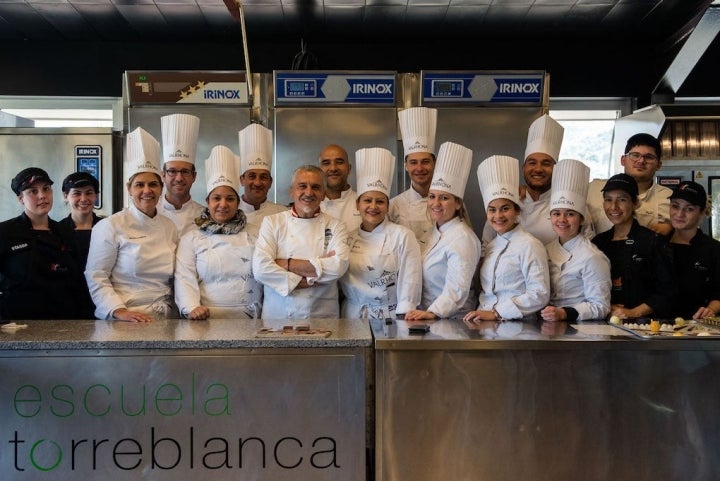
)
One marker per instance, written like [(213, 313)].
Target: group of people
[(546, 253)]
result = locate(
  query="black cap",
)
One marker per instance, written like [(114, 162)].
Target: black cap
[(28, 177), (80, 179), (691, 192), (622, 182)]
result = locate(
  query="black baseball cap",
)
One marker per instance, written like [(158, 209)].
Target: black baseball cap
[(80, 179), (28, 177), (622, 182), (691, 192)]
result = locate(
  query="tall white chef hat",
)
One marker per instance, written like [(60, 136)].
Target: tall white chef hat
[(452, 169), (545, 135), (221, 169), (418, 126), (255, 148), (375, 169), (499, 178), (179, 137), (570, 182), (143, 153)]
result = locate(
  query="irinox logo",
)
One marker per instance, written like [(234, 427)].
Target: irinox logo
[(217, 94), (519, 88), (372, 88)]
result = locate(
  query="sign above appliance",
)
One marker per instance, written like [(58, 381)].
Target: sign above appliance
[(526, 88), (335, 88), (186, 87)]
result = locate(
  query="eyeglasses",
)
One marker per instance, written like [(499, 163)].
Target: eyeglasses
[(637, 156), (183, 172)]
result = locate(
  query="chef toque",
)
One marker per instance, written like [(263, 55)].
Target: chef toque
[(452, 169), (143, 153), (570, 182), (220, 169), (255, 148), (179, 137), (417, 127), (375, 169), (499, 178), (545, 135)]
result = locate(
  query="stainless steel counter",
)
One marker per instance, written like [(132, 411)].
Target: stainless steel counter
[(183, 400), (598, 404)]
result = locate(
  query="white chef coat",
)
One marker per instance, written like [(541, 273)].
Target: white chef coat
[(384, 273), (450, 258), (184, 217), (514, 275), (283, 236), (254, 217), (344, 208), (131, 263), (535, 219), (654, 206), (579, 278), (410, 210), (215, 270)]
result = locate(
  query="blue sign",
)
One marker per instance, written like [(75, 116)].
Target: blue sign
[(483, 88), (88, 159), (334, 88)]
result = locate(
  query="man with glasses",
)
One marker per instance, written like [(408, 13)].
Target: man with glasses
[(641, 161), (179, 135)]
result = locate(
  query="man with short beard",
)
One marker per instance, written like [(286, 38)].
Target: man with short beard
[(301, 253)]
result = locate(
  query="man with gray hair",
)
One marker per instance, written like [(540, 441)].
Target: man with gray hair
[(301, 253)]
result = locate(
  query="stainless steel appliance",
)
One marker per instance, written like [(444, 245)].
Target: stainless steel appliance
[(60, 151)]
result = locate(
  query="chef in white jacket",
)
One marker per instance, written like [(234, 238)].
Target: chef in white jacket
[(417, 127), (256, 155), (514, 274), (213, 272), (542, 152), (179, 145), (385, 273), (301, 253), (452, 251), (579, 271), (132, 253)]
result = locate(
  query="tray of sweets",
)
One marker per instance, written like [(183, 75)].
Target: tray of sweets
[(646, 328)]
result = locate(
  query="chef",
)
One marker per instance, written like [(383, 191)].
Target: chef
[(301, 253), (340, 199), (417, 127), (132, 252), (542, 151), (213, 272), (179, 143), (384, 276), (452, 251), (256, 155), (579, 271), (514, 274)]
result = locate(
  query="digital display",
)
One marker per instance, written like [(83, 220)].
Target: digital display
[(447, 88), (300, 88)]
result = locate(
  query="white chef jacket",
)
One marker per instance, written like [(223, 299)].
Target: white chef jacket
[(450, 258), (283, 236), (384, 273), (535, 219), (215, 270), (131, 263), (410, 210), (344, 208), (254, 217), (654, 206), (514, 275), (579, 278), (184, 217)]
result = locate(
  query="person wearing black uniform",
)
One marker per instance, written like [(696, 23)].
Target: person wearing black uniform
[(39, 273), (80, 190), (640, 259), (696, 256)]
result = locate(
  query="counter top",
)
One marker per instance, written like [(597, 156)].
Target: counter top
[(180, 334), (453, 334)]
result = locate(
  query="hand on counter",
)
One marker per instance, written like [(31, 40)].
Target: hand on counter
[(127, 315), (200, 313)]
